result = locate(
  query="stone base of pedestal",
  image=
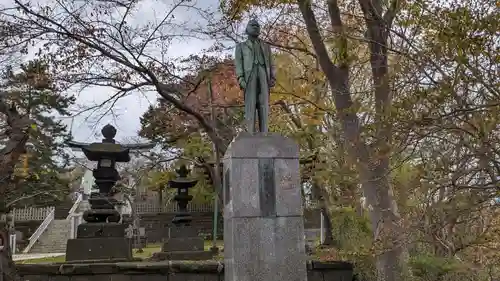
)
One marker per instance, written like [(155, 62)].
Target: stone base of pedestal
[(102, 248), (262, 249), (183, 255), (98, 242), (91, 230), (183, 243)]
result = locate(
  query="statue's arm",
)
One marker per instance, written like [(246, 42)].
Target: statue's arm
[(238, 62), (272, 70)]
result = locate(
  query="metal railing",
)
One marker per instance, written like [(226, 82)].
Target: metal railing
[(31, 213), (75, 206), (39, 231), (75, 220), (12, 243)]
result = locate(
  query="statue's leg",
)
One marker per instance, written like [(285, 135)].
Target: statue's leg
[(263, 109), (251, 102)]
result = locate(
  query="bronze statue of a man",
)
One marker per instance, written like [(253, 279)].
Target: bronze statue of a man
[(256, 75)]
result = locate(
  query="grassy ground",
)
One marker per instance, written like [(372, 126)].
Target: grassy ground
[(146, 253)]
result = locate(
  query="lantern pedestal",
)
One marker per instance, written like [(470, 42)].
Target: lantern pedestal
[(183, 243), (99, 242), (102, 237)]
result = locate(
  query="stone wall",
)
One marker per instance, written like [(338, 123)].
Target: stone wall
[(155, 223), (163, 271)]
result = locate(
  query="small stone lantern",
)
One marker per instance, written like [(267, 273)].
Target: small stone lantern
[(182, 184), (183, 241)]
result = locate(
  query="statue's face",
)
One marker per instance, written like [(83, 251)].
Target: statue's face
[(253, 28)]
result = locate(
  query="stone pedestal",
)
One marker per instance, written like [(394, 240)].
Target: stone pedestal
[(183, 243), (263, 215), (99, 242)]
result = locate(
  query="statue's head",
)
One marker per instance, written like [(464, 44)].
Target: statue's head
[(253, 28)]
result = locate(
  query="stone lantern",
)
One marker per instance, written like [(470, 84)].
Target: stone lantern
[(183, 241), (182, 183), (102, 237)]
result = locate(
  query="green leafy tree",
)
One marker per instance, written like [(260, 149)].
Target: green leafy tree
[(29, 128), (218, 99), (39, 173)]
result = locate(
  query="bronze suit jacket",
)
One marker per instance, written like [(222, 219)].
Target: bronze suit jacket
[(244, 59)]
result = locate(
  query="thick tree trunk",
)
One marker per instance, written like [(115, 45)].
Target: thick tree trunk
[(372, 162), (389, 246), (390, 241), (19, 127)]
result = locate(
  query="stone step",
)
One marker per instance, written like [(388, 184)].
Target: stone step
[(58, 235), (52, 242), (57, 231), (61, 227), (47, 246), (62, 210), (54, 238), (48, 250)]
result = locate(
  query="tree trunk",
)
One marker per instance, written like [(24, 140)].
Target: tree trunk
[(17, 132), (372, 162), (9, 156), (389, 241), (160, 197)]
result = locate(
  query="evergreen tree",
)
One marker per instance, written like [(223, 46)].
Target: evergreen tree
[(37, 178)]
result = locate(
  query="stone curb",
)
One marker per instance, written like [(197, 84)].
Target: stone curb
[(150, 267)]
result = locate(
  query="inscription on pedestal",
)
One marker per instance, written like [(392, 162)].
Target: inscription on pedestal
[(267, 187), (227, 188)]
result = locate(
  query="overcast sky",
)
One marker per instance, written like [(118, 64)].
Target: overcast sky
[(127, 110)]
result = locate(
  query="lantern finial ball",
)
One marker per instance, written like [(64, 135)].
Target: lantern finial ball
[(109, 132)]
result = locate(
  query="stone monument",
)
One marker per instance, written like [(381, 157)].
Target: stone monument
[(263, 215), (102, 237), (183, 241)]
